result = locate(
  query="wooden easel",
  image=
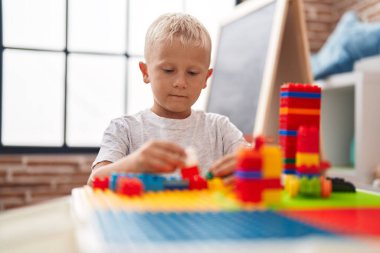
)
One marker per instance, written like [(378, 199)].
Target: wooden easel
[(288, 61)]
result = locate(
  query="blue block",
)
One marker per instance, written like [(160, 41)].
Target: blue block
[(287, 132), (152, 182), (249, 174), (297, 94), (290, 171), (176, 184), (113, 181)]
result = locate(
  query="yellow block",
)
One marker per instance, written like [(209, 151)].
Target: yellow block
[(307, 159), (287, 181), (287, 110), (272, 196), (216, 184), (272, 161)]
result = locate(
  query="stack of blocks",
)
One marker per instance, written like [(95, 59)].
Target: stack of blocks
[(258, 173), (299, 137), (299, 105)]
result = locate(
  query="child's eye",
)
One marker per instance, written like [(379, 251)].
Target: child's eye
[(193, 73), (168, 70)]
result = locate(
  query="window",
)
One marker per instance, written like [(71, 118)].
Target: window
[(70, 66)]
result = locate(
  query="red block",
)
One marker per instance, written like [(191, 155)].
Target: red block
[(303, 169), (259, 142), (289, 152), (308, 139), (189, 172), (288, 145), (294, 121), (304, 103), (289, 165), (197, 183), (100, 183), (129, 186), (251, 190), (249, 160), (271, 183), (299, 87), (248, 190)]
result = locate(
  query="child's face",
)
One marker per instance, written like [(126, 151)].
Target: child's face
[(177, 75)]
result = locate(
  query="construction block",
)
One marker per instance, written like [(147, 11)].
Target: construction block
[(176, 184), (299, 87), (307, 159), (248, 159), (299, 111), (293, 121), (287, 133), (189, 172), (310, 187), (272, 196), (101, 183), (216, 184), (308, 139), (297, 94), (152, 182), (271, 183), (248, 190), (259, 142), (289, 160), (129, 186), (304, 169), (209, 175), (309, 103), (197, 183), (241, 174), (272, 161), (326, 187), (291, 171), (113, 181), (341, 185)]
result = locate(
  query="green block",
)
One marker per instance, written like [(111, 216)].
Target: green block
[(209, 175)]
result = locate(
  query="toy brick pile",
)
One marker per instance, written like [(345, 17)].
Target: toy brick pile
[(136, 184)]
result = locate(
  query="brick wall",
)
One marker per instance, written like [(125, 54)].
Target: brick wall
[(29, 179), (323, 15)]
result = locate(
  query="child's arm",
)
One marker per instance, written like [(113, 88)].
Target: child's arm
[(153, 157)]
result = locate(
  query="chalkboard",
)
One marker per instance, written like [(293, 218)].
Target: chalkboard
[(239, 66)]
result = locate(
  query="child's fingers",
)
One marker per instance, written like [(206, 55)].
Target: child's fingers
[(229, 180), (224, 166), (155, 159), (227, 168), (172, 159)]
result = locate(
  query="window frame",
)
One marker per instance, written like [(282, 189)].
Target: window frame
[(64, 149)]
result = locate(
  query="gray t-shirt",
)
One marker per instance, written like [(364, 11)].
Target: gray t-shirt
[(210, 135)]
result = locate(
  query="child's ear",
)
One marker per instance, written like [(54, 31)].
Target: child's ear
[(209, 73), (144, 72)]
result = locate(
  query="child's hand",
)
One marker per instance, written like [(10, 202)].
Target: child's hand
[(225, 168), (159, 157)]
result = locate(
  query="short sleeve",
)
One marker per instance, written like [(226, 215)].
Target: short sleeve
[(232, 136), (115, 142)]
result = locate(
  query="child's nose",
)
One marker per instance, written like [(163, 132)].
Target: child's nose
[(180, 81)]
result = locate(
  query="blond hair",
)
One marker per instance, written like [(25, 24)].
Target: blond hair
[(185, 27)]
